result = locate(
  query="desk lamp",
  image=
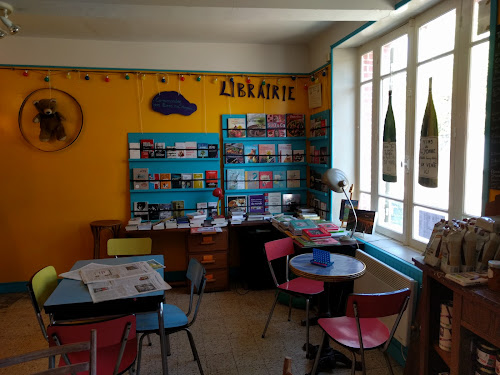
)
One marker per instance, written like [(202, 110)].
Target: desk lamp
[(219, 194), (336, 180)]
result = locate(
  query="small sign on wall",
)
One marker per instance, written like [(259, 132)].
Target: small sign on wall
[(172, 102), (314, 94)]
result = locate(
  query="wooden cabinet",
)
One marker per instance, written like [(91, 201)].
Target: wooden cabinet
[(212, 251), (476, 314)]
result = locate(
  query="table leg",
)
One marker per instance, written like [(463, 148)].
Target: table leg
[(163, 344)]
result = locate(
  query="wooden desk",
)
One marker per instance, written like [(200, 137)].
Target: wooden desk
[(476, 313)]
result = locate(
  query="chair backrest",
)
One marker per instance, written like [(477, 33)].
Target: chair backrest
[(377, 305), (40, 287), (196, 275), (129, 246), (112, 337), (278, 249), (90, 365)]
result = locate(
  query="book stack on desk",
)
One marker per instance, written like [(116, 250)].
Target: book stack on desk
[(170, 224), (307, 213), (281, 222), (133, 224), (297, 225), (196, 219), (219, 221), (144, 226)]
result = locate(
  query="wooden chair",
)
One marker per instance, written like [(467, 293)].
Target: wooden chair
[(90, 365), (129, 246)]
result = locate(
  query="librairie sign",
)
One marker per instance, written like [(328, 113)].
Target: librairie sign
[(172, 102), (249, 90)]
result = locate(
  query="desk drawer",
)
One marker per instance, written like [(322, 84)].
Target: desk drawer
[(211, 260), (217, 280), (198, 242), (483, 320)]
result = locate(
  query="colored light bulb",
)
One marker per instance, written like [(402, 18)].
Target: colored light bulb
[(294, 78), (143, 77), (87, 77), (163, 79), (127, 77), (249, 80), (106, 79), (215, 79), (231, 79), (263, 82), (198, 78), (46, 79), (313, 79), (182, 78), (68, 75), (25, 73), (305, 87), (279, 81), (323, 73)]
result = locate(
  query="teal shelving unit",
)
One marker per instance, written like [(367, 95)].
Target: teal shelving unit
[(157, 166)]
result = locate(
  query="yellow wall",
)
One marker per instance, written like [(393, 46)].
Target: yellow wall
[(49, 198)]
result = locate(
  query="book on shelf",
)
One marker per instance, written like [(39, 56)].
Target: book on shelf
[(147, 144), (165, 211), (212, 208), (165, 184), (265, 179), (318, 127), (256, 203), (235, 179), (273, 202), (154, 176), (202, 150), (322, 209), (295, 125), (345, 207), (252, 179), (202, 208), (276, 125), (468, 278), (279, 179), (180, 149), (171, 152), (140, 207), (176, 181), (251, 153), (323, 155), (236, 203), (160, 152), (191, 150), (213, 150), (284, 153), (267, 153), (236, 127), (140, 177), (154, 211), (195, 216), (256, 125), (177, 209), (154, 185), (169, 224), (315, 179), (234, 153), (134, 221), (211, 179), (186, 180), (165, 176), (290, 202), (293, 178), (145, 226), (198, 180), (134, 150), (159, 226), (298, 156)]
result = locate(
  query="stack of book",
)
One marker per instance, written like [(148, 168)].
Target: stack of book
[(144, 226), (159, 225), (133, 224), (330, 227), (296, 226), (170, 224), (314, 234), (281, 222), (182, 222), (196, 219), (254, 216), (219, 221)]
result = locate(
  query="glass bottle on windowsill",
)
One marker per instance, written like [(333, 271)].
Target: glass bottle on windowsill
[(389, 155)]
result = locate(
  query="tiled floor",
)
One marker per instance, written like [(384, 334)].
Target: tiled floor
[(227, 333)]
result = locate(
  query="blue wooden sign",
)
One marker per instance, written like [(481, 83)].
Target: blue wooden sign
[(172, 102)]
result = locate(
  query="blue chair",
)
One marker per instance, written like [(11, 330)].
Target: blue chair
[(175, 319)]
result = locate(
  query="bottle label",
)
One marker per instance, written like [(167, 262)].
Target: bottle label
[(389, 159), (428, 158)]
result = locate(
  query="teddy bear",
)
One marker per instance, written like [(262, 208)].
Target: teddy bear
[(50, 120)]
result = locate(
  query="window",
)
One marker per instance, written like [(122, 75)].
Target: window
[(455, 55)]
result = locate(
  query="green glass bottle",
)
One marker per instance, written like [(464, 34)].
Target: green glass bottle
[(389, 155), (428, 157)]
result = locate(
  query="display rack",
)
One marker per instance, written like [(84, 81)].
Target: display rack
[(157, 166)]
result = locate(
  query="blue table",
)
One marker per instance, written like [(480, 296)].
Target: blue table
[(71, 300)]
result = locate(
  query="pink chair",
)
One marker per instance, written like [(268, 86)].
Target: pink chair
[(360, 329), (298, 287), (116, 343)]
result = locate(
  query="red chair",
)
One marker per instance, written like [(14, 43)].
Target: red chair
[(298, 287), (116, 343), (360, 329)]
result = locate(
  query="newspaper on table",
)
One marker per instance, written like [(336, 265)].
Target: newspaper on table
[(115, 272), (127, 287), (75, 274)]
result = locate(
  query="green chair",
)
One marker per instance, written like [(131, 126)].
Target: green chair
[(40, 287), (129, 246)]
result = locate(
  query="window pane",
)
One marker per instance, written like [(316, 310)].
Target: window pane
[(441, 71), (390, 214), (437, 36), (367, 66), (481, 20), (394, 189), (365, 138), (399, 55), (474, 160), (365, 201), (423, 222)]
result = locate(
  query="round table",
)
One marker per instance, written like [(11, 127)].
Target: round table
[(99, 225), (344, 268)]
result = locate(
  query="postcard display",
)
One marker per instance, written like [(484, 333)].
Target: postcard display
[(265, 166), (319, 160), (172, 173)]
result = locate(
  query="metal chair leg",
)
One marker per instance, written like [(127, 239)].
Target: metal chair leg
[(387, 360), (270, 314), (193, 349), (353, 366), (290, 308), (149, 341), (362, 352), (139, 355), (167, 339), (318, 354), (307, 327)]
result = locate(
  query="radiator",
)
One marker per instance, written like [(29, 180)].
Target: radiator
[(380, 278)]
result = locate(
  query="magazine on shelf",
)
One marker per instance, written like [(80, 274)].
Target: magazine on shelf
[(251, 153), (236, 127), (293, 178), (256, 203), (134, 150), (295, 125), (176, 181), (154, 185), (235, 179), (165, 211), (291, 202), (266, 180), (139, 175), (284, 153), (171, 152), (177, 209), (236, 203), (252, 179), (273, 202), (165, 176), (202, 150), (267, 153), (276, 125), (279, 179), (186, 180), (154, 211), (234, 153), (191, 150), (298, 156), (147, 144), (180, 149), (213, 150), (256, 125), (198, 180), (211, 179)]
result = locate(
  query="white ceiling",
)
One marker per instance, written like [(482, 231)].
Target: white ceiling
[(202, 21)]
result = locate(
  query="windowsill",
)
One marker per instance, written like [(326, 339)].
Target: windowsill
[(389, 245)]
